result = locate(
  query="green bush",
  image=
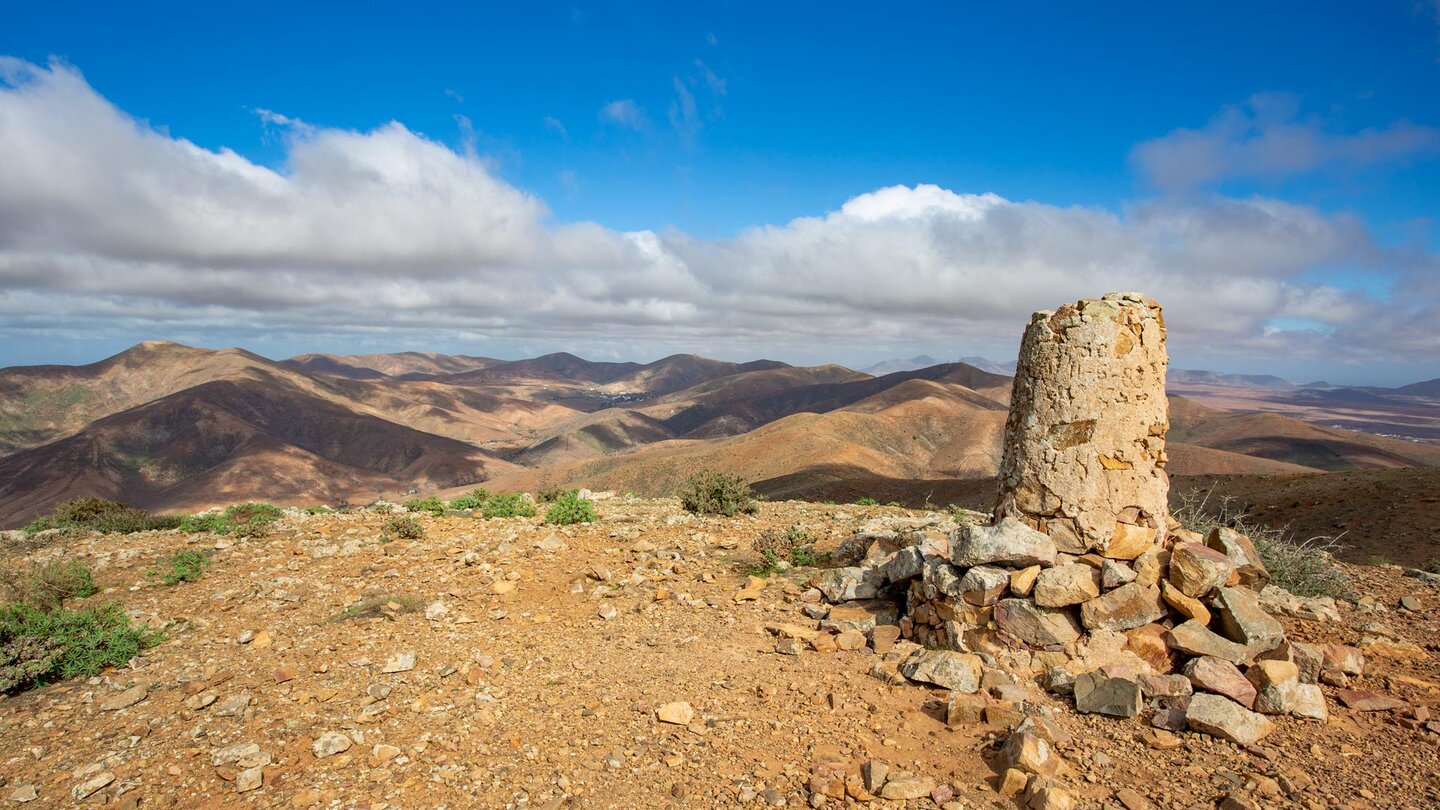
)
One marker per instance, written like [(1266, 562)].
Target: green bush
[(434, 506), (570, 508), (40, 646), (474, 500), (208, 522), (241, 520), (47, 586), (867, 502), (406, 527), (1302, 567), (553, 494), (101, 515), (509, 504), (186, 566), (794, 544), (709, 492)]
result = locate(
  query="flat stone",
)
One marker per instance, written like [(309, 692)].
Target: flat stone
[(125, 699), (1129, 541), (984, 585), (1114, 573), (956, 671), (1310, 703), (400, 662), (1275, 684), (1010, 543), (1124, 608), (1187, 606), (1343, 658), (233, 706), (1197, 570), (1030, 753), (1363, 701), (24, 794), (249, 779), (903, 787), (964, 709), (906, 564), (234, 753), (1034, 625), (1148, 643), (95, 783), (678, 713), (1194, 638), (1098, 693), (1243, 621), (847, 584), (1242, 554), (874, 773), (1050, 798), (1022, 581), (1132, 800), (1224, 718), (330, 744), (1221, 677), (883, 638), (1153, 686), (1066, 585)]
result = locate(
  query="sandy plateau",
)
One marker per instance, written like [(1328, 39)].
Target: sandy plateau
[(508, 663)]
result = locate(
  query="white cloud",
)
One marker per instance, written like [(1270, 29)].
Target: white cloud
[(625, 113), (110, 226), (552, 123), (1265, 139)]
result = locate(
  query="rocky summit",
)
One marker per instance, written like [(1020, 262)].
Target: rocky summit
[(1080, 647)]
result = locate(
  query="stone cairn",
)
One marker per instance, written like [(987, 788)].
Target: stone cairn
[(1083, 583)]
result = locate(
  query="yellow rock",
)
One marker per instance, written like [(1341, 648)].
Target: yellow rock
[(1129, 541), (1187, 606)]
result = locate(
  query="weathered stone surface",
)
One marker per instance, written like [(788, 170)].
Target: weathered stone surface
[(1310, 608), (1187, 606), (904, 786), (1022, 582), (1221, 677), (330, 744), (906, 564), (984, 585), (1242, 554), (863, 615), (1130, 541), (1153, 686), (1362, 701), (1194, 638), (1066, 585), (1224, 718), (1342, 658), (1029, 753), (1197, 570), (1245, 622), (964, 709), (1101, 693), (1085, 438), (1113, 574), (846, 584), (956, 671), (1034, 625), (125, 699), (678, 713), (1148, 643), (1310, 703), (1009, 543), (1124, 608), (1275, 683)]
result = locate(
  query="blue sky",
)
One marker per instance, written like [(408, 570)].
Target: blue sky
[(698, 124)]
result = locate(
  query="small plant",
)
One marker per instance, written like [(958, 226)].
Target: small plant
[(48, 586), (101, 515), (1377, 559), (241, 520), (709, 492), (553, 494), (769, 567), (1302, 567), (185, 566), (319, 510), (474, 500), (378, 606), (510, 504), (867, 502), (794, 544), (570, 508), (405, 527), (1433, 567), (434, 506), (41, 646), (208, 522)]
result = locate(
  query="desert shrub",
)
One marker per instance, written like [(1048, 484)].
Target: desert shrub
[(208, 522), (710, 492), (47, 586), (570, 508), (1433, 567), (1302, 567), (794, 545), (553, 494), (39, 646), (434, 506), (867, 502), (101, 515), (241, 520), (405, 527), (474, 500), (509, 504), (375, 606), (319, 510), (184, 566)]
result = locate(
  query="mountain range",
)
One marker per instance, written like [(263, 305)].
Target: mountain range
[(172, 427)]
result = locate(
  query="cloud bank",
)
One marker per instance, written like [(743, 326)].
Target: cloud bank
[(107, 222)]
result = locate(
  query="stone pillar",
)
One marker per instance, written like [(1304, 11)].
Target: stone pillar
[(1085, 440)]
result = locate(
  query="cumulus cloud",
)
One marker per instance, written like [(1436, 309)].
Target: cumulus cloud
[(107, 223), (1265, 139), (625, 113)]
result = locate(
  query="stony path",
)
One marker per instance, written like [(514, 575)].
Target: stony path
[(509, 664)]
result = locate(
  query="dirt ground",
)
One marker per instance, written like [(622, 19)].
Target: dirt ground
[(541, 657)]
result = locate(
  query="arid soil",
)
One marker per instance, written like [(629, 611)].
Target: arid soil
[(542, 658)]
